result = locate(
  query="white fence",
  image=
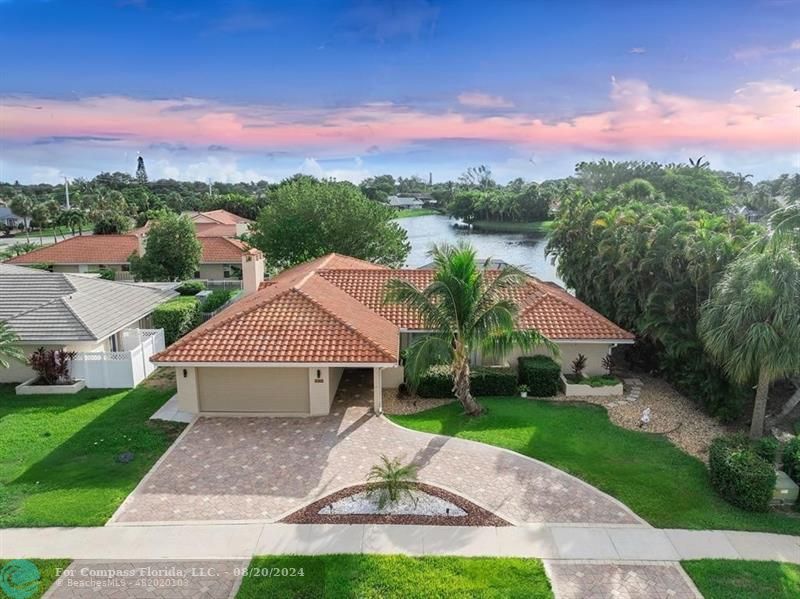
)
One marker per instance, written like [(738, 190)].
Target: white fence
[(120, 369)]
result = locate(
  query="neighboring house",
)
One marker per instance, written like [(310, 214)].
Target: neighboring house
[(282, 349), (108, 322), (8, 218), (219, 223), (404, 202), (221, 258)]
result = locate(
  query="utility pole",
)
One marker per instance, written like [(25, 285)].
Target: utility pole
[(66, 191)]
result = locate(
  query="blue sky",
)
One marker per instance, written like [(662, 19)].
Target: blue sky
[(242, 90)]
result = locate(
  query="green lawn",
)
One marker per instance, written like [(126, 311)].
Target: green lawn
[(734, 579), (532, 228), (658, 481), (49, 571), (395, 576), (411, 212), (58, 456)]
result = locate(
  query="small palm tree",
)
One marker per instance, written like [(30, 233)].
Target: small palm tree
[(9, 348), (469, 311), (751, 324), (390, 480)]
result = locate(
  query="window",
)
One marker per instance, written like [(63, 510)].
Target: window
[(126, 268)]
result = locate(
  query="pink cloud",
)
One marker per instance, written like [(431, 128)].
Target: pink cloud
[(760, 115)]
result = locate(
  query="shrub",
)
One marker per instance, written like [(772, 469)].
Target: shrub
[(767, 448), (191, 287), (541, 374), (177, 317), (216, 300), (791, 459), (578, 366), (493, 381), (608, 363), (52, 365), (390, 479), (438, 382), (108, 274), (739, 475)]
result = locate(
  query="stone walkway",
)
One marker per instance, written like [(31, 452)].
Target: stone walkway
[(620, 580), (245, 469)]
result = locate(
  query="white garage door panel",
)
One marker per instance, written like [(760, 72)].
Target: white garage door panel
[(265, 390)]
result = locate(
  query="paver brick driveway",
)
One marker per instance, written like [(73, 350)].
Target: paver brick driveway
[(265, 468)]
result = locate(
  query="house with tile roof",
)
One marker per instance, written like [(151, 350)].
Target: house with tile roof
[(221, 258), (102, 320), (283, 348)]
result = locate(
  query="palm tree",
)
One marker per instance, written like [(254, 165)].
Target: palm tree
[(751, 324), (9, 348), (469, 310), (22, 205)]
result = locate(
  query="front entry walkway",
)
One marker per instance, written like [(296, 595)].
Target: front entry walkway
[(244, 469)]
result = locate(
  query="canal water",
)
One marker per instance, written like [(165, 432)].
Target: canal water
[(524, 251)]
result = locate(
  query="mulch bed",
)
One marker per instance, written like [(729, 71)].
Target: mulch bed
[(476, 516)]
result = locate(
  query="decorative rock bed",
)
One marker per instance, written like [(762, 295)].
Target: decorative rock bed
[(433, 506)]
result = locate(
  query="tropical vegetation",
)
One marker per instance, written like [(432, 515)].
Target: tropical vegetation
[(172, 250), (307, 218), (469, 310), (9, 346)]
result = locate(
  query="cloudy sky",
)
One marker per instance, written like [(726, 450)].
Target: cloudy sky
[(244, 90)]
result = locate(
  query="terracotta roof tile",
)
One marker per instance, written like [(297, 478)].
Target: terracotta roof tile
[(222, 250), (219, 216), (298, 318), (214, 230), (331, 310), (83, 249)]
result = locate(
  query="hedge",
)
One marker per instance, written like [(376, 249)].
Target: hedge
[(541, 374), (437, 382), (177, 317), (739, 475), (216, 300), (191, 287), (791, 459)]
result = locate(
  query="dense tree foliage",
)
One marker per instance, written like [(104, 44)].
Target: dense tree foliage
[(751, 324), (307, 218), (172, 251), (650, 267)]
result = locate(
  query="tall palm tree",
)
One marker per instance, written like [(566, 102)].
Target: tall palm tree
[(9, 348), (470, 310), (751, 324)]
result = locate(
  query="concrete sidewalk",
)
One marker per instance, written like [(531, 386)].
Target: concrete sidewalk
[(241, 541)]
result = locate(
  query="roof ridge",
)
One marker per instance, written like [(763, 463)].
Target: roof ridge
[(223, 320), (78, 318), (385, 351)]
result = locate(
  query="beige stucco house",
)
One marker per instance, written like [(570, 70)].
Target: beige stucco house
[(282, 349), (216, 232)]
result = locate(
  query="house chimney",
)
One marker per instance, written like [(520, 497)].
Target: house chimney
[(252, 271)]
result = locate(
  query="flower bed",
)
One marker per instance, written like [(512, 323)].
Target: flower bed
[(33, 387), (592, 387)]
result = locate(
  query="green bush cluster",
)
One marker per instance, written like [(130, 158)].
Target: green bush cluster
[(541, 374), (767, 448), (216, 300), (438, 382), (191, 287), (177, 317), (791, 459), (740, 475), (493, 381)]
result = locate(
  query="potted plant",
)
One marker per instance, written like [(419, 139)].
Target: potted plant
[(523, 390)]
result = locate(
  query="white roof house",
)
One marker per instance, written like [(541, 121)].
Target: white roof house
[(75, 312)]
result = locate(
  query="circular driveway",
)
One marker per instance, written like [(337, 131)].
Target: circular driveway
[(238, 469)]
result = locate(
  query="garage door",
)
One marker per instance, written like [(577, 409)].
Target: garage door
[(265, 390)]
